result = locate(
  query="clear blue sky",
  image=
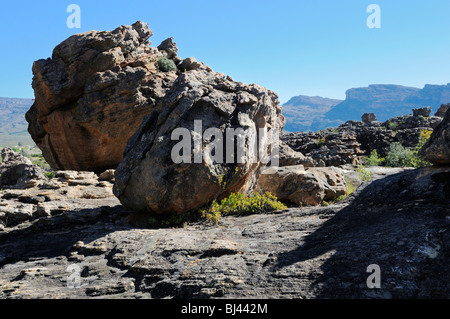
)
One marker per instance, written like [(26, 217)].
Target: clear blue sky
[(292, 47)]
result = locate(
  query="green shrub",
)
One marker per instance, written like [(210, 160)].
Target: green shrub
[(398, 156), (240, 204), (364, 174), (392, 125), (50, 174), (235, 204), (417, 160), (374, 160), (172, 220), (166, 65)]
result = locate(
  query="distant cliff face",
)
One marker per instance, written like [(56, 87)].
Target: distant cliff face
[(430, 95), (12, 112), (301, 111), (385, 100)]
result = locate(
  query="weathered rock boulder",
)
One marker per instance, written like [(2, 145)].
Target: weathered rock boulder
[(68, 191), (17, 170), (369, 117), (423, 111), (309, 187), (442, 110), (204, 109), (93, 93), (437, 148)]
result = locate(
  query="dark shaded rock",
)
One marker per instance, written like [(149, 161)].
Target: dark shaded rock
[(437, 148), (351, 141), (424, 111), (400, 223), (442, 110), (369, 117)]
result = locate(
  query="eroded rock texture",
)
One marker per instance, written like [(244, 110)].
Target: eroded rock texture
[(352, 141), (300, 186), (399, 222), (17, 170), (150, 180), (92, 95)]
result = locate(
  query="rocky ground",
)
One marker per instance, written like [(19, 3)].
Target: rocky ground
[(73, 225), (352, 141)]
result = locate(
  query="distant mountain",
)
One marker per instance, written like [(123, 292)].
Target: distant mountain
[(385, 100), (13, 126), (301, 111)]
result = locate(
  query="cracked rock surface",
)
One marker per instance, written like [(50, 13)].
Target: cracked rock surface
[(399, 222)]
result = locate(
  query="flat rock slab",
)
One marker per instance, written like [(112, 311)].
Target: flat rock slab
[(316, 252)]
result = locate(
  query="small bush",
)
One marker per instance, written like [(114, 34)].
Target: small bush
[(166, 65), (374, 160), (240, 204), (417, 160), (399, 156), (364, 174), (50, 175)]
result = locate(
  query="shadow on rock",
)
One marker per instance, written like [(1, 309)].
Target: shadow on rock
[(57, 235), (400, 223)]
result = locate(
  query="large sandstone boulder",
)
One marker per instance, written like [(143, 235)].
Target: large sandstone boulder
[(93, 93), (17, 170), (437, 149), (309, 187), (151, 177)]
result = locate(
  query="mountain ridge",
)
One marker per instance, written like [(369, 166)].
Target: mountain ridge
[(385, 100), (13, 126), (302, 110)]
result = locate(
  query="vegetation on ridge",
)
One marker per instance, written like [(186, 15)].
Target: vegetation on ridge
[(400, 156)]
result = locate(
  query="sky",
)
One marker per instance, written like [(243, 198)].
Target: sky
[(293, 47)]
